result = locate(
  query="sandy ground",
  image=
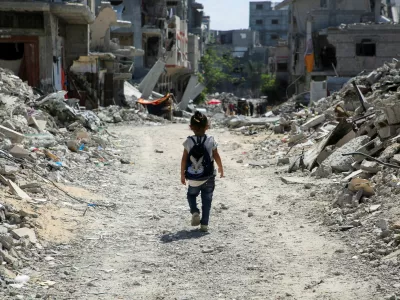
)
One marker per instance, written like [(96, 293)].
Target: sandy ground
[(258, 247)]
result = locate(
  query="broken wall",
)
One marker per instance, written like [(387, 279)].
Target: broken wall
[(100, 29), (385, 39), (76, 43)]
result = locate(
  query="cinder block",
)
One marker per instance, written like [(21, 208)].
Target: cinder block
[(370, 149), (392, 113)]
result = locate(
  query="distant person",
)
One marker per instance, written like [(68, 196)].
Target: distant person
[(197, 169), (231, 109), (251, 107), (258, 109), (246, 109)]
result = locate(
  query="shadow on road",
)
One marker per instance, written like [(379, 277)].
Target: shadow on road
[(182, 235)]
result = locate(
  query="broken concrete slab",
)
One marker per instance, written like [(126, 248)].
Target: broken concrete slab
[(148, 84), (395, 159), (19, 152), (193, 89), (14, 136), (352, 175), (341, 163), (16, 190), (38, 124), (8, 169), (313, 122), (25, 232), (388, 131), (370, 149), (370, 167), (389, 152), (303, 180), (392, 113)]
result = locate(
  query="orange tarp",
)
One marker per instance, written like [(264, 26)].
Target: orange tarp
[(309, 60), (154, 102)]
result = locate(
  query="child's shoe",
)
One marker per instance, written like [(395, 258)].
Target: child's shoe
[(195, 219), (204, 228)]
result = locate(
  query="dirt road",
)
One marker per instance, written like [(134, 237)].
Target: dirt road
[(258, 247)]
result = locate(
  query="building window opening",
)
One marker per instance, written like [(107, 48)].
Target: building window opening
[(259, 6), (328, 57), (259, 22), (274, 37), (11, 51), (324, 3), (282, 67), (275, 22), (366, 48)]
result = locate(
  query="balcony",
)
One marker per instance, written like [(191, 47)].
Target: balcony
[(72, 12)]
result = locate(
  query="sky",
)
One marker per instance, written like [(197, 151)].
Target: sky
[(227, 14)]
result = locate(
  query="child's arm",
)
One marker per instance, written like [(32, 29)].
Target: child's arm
[(218, 160), (183, 166)]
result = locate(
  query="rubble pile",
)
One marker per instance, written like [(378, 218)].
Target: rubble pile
[(43, 139), (351, 139)]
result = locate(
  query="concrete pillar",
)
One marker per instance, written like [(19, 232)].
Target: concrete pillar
[(193, 89), (137, 30), (308, 37), (377, 10), (149, 82), (46, 54)]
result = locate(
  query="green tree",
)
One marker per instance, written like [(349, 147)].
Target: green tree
[(269, 87), (216, 69)]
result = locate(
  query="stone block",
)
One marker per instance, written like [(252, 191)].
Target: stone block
[(7, 241), (388, 131), (341, 163), (370, 149), (313, 122), (392, 113), (370, 166), (389, 152), (373, 77), (16, 190), (19, 152), (395, 159), (14, 136), (8, 258), (23, 232)]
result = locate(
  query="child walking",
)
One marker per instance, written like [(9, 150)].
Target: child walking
[(197, 169)]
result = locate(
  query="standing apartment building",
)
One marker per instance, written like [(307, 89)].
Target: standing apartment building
[(332, 38), (39, 40), (271, 23)]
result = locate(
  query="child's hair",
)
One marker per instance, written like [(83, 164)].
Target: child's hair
[(198, 123), (199, 120)]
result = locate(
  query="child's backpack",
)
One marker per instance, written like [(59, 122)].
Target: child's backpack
[(199, 165)]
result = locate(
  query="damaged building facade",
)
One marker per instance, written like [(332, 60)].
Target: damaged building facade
[(338, 39), (167, 31), (40, 40)]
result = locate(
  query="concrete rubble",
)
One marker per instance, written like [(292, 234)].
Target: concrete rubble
[(348, 146), (43, 138)]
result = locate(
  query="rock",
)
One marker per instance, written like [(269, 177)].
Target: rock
[(3, 230), (207, 250), (323, 171), (146, 271), (250, 214), (73, 145), (313, 122), (8, 258), (389, 152), (8, 170), (395, 159), (117, 118), (370, 166), (23, 232), (19, 152), (4, 272), (283, 161), (343, 163), (382, 224), (374, 208), (7, 241), (125, 161)]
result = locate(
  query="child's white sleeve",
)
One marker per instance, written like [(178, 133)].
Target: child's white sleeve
[(186, 145), (215, 144)]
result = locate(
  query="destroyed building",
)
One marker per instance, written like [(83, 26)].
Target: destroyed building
[(271, 23), (336, 39), (40, 40)]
